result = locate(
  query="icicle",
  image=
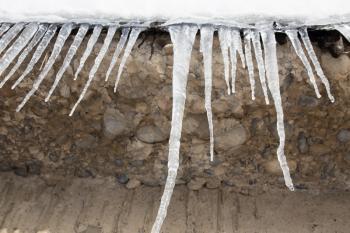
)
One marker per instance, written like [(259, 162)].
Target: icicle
[(305, 37), (183, 38), (61, 39), (271, 66), (293, 36), (37, 54), (345, 30), (90, 45), (98, 59), (255, 36), (225, 38), (235, 46), (69, 56), (120, 46), (249, 60), (37, 37), (206, 46), (18, 45), (10, 35), (4, 27), (134, 34)]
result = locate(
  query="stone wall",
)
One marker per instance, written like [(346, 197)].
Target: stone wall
[(125, 134)]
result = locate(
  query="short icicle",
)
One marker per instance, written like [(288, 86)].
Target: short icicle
[(271, 66), (98, 60), (69, 56), (293, 37), (134, 34), (255, 36), (90, 45), (249, 60), (38, 53), (305, 37), (4, 27), (235, 47), (37, 37), (225, 38), (60, 41), (182, 37), (345, 30), (206, 47), (18, 45), (120, 46), (10, 35)]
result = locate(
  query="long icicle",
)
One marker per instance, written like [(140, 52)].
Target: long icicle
[(37, 54), (255, 36), (182, 37), (249, 60), (4, 27), (134, 34), (224, 39), (37, 37), (206, 47), (69, 56), (345, 30), (305, 37), (18, 45), (98, 59), (60, 41), (120, 46), (237, 42), (90, 45), (293, 37), (10, 35), (271, 66)]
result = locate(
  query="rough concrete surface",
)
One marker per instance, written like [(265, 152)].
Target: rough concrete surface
[(102, 206)]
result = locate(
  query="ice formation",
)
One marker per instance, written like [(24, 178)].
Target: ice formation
[(183, 39), (20, 39)]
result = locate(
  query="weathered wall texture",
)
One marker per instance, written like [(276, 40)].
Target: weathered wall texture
[(125, 134)]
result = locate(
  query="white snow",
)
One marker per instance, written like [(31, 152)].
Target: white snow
[(310, 11)]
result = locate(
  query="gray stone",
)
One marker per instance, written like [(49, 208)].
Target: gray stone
[(229, 134), (151, 134), (119, 162), (21, 171), (115, 123), (83, 173), (86, 142), (343, 135), (196, 183), (122, 178), (34, 167), (308, 101)]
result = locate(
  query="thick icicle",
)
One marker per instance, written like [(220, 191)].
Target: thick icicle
[(206, 46), (134, 34), (271, 66), (225, 39), (345, 30), (235, 46), (249, 60), (18, 45), (4, 27), (37, 37), (61, 39), (10, 35), (293, 37), (37, 54), (90, 45), (120, 46), (255, 36), (305, 37), (98, 59), (69, 56), (183, 38)]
